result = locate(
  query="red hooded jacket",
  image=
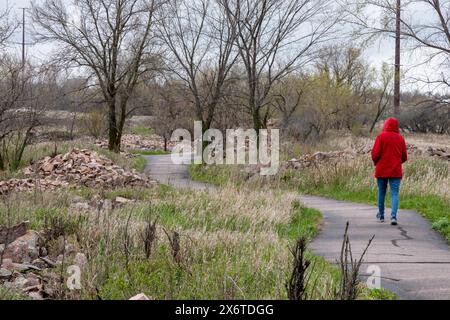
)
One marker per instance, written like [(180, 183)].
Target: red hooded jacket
[(389, 151)]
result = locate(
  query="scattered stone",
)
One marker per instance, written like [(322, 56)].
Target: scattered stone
[(39, 263), (121, 200), (140, 296), (49, 262), (137, 142), (23, 249), (5, 274), (59, 259), (8, 235), (319, 157), (19, 282), (80, 259), (32, 282), (24, 267), (7, 264), (36, 295), (439, 152), (24, 270), (442, 153)]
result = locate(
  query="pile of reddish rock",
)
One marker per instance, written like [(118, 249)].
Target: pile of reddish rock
[(137, 142), (319, 157), (29, 184), (29, 266), (77, 167)]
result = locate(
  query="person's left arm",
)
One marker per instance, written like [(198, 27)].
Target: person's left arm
[(404, 151)]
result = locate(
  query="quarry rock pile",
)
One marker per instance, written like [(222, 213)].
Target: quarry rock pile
[(87, 168), (77, 167)]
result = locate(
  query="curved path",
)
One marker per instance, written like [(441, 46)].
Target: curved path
[(413, 259), (161, 168)]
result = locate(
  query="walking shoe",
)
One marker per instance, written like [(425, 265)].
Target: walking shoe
[(379, 218), (393, 221)]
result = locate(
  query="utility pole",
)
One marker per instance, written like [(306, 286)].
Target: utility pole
[(23, 37), (397, 60)]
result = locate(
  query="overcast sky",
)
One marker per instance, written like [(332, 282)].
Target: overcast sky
[(376, 54)]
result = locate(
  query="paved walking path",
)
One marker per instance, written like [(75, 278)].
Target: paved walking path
[(161, 168), (414, 260)]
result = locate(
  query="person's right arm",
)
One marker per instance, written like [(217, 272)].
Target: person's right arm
[(376, 150)]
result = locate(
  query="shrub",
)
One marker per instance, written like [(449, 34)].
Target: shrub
[(94, 123)]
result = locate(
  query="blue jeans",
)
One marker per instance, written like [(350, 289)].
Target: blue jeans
[(394, 185)]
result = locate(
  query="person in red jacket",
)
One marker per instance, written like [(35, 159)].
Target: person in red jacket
[(388, 155)]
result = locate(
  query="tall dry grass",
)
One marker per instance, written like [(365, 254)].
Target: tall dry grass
[(233, 243)]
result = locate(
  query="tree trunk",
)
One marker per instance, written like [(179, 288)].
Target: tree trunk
[(2, 163), (257, 123), (114, 139)]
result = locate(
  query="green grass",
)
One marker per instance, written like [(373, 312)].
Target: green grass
[(141, 130), (148, 152), (7, 294), (304, 222), (218, 175), (380, 294), (138, 163), (222, 271), (232, 244)]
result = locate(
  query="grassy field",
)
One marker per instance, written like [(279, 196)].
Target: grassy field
[(233, 245), (229, 243)]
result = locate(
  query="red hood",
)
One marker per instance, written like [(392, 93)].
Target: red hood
[(391, 125)]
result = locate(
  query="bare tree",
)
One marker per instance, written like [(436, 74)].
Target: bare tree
[(383, 96), (12, 88), (25, 93), (112, 40), (287, 97), (169, 109), (201, 40), (7, 26), (275, 37), (424, 26)]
